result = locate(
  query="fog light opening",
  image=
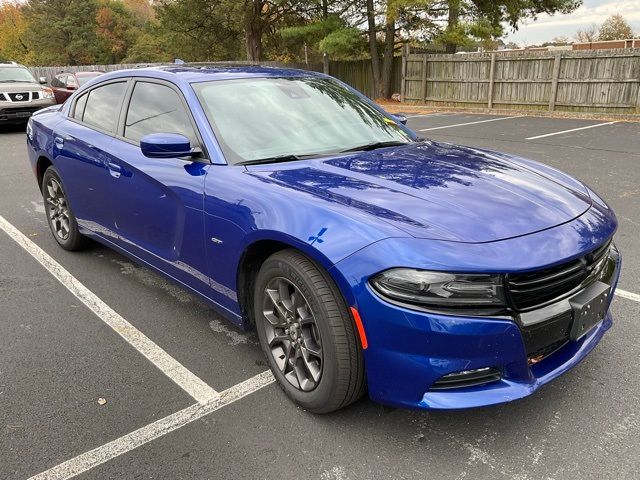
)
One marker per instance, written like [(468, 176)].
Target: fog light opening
[(468, 378)]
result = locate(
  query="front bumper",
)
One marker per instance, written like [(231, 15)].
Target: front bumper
[(410, 350), (19, 112), (518, 381)]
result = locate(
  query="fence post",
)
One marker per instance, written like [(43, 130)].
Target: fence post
[(424, 78), (638, 96), (492, 78), (405, 55), (554, 81)]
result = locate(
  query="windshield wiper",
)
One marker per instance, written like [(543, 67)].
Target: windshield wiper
[(374, 145), (277, 159), (14, 81)]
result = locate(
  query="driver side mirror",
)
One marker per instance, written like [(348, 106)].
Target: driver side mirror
[(165, 145), (42, 80)]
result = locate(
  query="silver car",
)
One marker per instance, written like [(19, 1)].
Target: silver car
[(21, 94)]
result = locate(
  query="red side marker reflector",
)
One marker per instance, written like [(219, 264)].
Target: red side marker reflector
[(358, 320)]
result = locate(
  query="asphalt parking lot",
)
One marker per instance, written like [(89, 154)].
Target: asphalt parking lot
[(186, 394)]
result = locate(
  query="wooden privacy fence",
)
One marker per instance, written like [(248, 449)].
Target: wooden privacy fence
[(359, 75), (580, 81), (356, 73), (50, 72)]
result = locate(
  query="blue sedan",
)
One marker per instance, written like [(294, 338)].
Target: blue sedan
[(427, 274)]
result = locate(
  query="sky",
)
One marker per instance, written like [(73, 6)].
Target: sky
[(547, 27)]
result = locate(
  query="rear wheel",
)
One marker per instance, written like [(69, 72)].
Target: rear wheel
[(62, 221), (307, 334)]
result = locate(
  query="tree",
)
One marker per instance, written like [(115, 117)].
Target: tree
[(141, 10), (470, 21), (12, 31), (373, 50), (62, 32), (150, 46), (588, 34), (615, 28), (408, 16), (262, 17), (217, 29), (116, 29), (325, 28), (200, 30)]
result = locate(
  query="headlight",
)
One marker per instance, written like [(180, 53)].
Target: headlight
[(47, 92), (439, 289)]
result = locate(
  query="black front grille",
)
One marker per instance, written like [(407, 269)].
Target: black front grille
[(19, 96), (17, 113), (528, 290)]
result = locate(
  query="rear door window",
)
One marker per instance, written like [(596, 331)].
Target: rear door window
[(103, 106)]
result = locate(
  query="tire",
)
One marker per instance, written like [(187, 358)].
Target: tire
[(60, 217), (313, 319)]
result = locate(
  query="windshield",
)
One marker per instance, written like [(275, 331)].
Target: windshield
[(262, 118), (13, 74)]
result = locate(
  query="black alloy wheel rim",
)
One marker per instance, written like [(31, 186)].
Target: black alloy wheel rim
[(292, 334), (57, 209)]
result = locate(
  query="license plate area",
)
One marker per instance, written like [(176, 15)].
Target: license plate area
[(589, 308)]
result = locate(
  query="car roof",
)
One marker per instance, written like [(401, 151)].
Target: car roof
[(194, 74), (80, 74), (11, 65)]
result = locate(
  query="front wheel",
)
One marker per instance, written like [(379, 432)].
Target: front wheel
[(307, 334), (62, 221)]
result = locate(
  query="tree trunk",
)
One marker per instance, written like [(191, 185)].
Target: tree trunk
[(387, 65), (253, 40), (325, 57), (454, 16), (253, 29), (373, 50)]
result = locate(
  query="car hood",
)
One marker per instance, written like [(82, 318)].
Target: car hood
[(15, 87), (440, 191)]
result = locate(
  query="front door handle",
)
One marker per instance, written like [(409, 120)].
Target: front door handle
[(114, 169)]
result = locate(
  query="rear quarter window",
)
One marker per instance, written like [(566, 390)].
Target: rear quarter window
[(78, 111)]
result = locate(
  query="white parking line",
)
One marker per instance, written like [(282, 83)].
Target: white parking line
[(173, 369), (470, 123), (628, 295), (157, 429), (569, 131)]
